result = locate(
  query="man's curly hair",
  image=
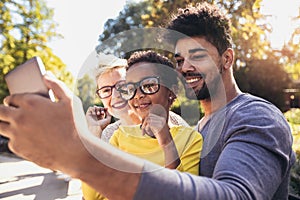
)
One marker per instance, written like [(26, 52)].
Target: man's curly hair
[(203, 20)]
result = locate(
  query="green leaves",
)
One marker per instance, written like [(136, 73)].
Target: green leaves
[(26, 27), (250, 36)]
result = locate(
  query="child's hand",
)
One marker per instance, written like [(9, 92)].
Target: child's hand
[(98, 118), (156, 125)]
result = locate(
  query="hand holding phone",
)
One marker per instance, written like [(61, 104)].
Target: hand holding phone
[(28, 78)]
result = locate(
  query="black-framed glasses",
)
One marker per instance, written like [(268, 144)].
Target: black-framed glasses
[(148, 85), (106, 91)]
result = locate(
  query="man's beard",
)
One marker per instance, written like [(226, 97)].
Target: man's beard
[(201, 94)]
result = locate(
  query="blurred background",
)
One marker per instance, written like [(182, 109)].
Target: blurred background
[(64, 33)]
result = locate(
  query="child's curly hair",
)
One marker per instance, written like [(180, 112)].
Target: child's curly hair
[(164, 67)]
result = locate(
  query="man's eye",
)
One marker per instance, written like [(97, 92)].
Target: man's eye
[(197, 57), (179, 63)]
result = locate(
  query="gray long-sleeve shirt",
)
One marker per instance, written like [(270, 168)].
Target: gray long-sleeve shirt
[(247, 154)]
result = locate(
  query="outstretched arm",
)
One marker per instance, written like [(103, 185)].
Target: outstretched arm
[(55, 135)]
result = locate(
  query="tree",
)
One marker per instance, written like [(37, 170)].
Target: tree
[(86, 87), (290, 53), (26, 27), (244, 15), (115, 39), (260, 82), (249, 30)]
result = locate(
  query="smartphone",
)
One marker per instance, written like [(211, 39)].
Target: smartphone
[(27, 78)]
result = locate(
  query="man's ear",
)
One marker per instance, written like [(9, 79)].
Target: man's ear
[(228, 57)]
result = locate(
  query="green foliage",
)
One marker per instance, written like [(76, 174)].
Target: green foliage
[(254, 55), (86, 87), (290, 53), (145, 14), (129, 18), (26, 27), (295, 177), (293, 117), (189, 110)]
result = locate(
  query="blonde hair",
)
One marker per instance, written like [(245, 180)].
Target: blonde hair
[(108, 63), (107, 69)]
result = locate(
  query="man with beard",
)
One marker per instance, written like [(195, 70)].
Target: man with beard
[(247, 141), (247, 150)]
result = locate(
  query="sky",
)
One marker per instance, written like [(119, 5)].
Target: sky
[(281, 13), (81, 22)]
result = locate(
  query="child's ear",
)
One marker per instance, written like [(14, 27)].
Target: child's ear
[(171, 97)]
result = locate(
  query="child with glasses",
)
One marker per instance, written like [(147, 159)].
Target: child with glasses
[(150, 91), (110, 76)]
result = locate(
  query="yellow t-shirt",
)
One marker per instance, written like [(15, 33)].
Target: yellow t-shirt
[(130, 139)]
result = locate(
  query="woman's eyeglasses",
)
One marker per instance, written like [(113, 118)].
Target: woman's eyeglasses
[(106, 91), (148, 85)]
